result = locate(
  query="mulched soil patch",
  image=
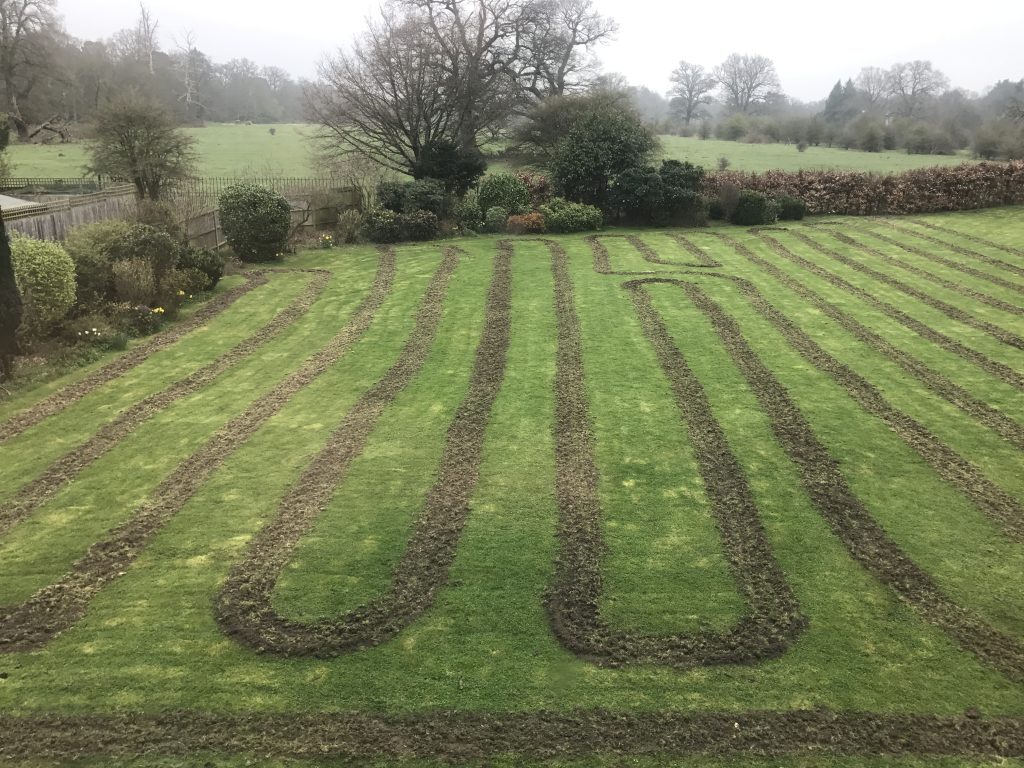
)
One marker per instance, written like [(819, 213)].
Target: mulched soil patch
[(243, 606), (72, 393), (1017, 270), (963, 290), (772, 620), (466, 736), (602, 261), (1001, 371), (864, 538), (994, 419), (36, 493), (55, 608), (955, 313)]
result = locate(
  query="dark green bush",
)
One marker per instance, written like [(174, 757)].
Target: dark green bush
[(495, 219), (504, 190), (668, 196), (562, 216), (382, 225), (391, 196), (256, 222), (458, 169), (425, 195), (92, 248), (791, 208), (754, 209), (468, 215), (419, 225), (193, 281), (716, 210), (209, 263)]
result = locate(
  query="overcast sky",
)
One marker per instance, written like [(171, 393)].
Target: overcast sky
[(974, 43)]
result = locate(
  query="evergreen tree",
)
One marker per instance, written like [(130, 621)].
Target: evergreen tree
[(10, 306), (834, 103)]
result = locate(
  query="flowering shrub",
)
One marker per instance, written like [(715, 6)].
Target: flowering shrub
[(138, 320), (324, 240), (925, 190)]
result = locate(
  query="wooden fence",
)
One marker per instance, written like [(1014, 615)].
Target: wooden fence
[(315, 202), (53, 220)]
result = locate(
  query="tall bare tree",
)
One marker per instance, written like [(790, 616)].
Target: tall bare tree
[(692, 90), (912, 83), (873, 86), (746, 80), (26, 27)]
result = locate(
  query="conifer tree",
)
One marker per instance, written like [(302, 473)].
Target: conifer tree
[(10, 306)]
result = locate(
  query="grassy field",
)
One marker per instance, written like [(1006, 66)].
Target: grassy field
[(231, 150), (655, 497)]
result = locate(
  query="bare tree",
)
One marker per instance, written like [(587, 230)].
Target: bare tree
[(692, 90), (911, 83), (746, 80), (145, 34), (194, 68), (25, 26), (873, 84), (389, 98)]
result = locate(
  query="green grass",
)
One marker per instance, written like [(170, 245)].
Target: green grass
[(236, 150), (149, 642)]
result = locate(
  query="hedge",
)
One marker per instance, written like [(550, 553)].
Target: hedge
[(925, 190)]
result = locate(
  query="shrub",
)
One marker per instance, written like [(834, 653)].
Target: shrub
[(135, 282), (95, 331), (562, 216), (425, 195), (193, 281), (160, 216), (716, 210), (418, 225), (504, 190), (92, 248), (138, 319), (468, 215), (728, 198), (207, 262), (45, 275), (495, 219), (458, 169), (391, 196), (801, 146), (382, 225), (723, 163), (528, 224), (925, 190), (539, 187), (349, 225), (753, 209), (256, 221), (791, 208)]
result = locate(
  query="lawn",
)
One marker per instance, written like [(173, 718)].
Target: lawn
[(237, 150), (656, 497)]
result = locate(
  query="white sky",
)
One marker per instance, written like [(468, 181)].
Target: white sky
[(812, 43)]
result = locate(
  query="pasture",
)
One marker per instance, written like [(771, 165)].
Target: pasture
[(649, 497), (238, 150)]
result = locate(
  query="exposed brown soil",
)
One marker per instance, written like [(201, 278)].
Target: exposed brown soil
[(1015, 268), (61, 399), (820, 474), (56, 607), (243, 606), (464, 736), (994, 419), (40, 490), (602, 261), (993, 501), (936, 258), (772, 620), (949, 285), (955, 313), (1000, 370)]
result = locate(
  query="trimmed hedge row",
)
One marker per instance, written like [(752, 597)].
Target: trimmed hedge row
[(925, 190)]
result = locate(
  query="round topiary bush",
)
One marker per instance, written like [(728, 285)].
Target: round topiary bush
[(504, 190), (46, 279), (207, 262), (753, 209), (256, 222)]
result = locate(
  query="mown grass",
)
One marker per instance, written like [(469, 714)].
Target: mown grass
[(149, 641), (227, 149)]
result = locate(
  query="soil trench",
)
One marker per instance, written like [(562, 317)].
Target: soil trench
[(824, 483), (55, 608), (134, 357), (772, 620), (61, 472)]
